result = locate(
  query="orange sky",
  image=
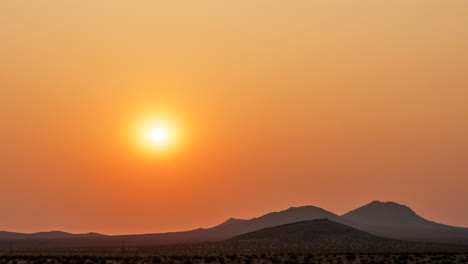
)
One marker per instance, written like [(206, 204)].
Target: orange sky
[(278, 103)]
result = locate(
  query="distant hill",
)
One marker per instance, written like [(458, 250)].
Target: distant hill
[(388, 219), (325, 235), (43, 235), (305, 231), (397, 221), (232, 227)]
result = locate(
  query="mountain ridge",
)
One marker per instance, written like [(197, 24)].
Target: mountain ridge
[(324, 235), (43, 235), (385, 219), (393, 220)]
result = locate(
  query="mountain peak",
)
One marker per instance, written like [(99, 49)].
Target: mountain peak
[(230, 223), (386, 213), (389, 203), (52, 234), (297, 214), (306, 209), (303, 207), (390, 206), (233, 220)]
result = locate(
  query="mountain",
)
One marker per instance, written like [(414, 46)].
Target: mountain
[(389, 219), (43, 235), (232, 227), (323, 235), (305, 231)]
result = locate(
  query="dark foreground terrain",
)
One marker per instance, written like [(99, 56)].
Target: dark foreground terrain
[(228, 253), (260, 258)]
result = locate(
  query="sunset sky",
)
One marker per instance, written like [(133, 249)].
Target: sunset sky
[(268, 104)]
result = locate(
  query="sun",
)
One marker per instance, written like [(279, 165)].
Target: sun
[(157, 135)]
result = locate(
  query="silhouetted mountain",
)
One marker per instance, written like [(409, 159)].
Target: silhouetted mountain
[(42, 235), (323, 235), (397, 221), (389, 220), (305, 231), (232, 227), (4, 235)]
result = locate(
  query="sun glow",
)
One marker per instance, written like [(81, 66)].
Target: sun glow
[(156, 135)]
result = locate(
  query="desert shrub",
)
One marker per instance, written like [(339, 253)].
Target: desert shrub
[(351, 257)]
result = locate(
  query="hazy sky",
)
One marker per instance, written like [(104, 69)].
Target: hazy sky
[(277, 103)]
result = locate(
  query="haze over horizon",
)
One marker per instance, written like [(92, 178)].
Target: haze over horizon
[(379, 203), (125, 118)]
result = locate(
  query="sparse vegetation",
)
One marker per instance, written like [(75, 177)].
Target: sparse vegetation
[(263, 258), (208, 253)]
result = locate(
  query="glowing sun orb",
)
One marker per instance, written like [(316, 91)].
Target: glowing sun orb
[(157, 135)]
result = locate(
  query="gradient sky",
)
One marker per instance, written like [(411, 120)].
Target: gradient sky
[(278, 103)]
